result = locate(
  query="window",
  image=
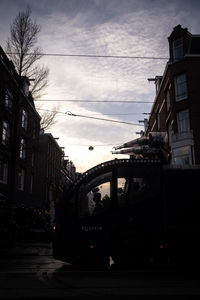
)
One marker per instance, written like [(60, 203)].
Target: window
[(24, 119), (182, 156), (181, 87), (95, 196), (178, 49), (183, 120), (21, 179), (134, 190), (8, 99), (167, 99), (5, 138), (22, 151), (3, 170)]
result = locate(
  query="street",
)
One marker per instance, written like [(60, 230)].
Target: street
[(30, 272)]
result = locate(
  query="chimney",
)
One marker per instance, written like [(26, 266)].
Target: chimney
[(157, 80)]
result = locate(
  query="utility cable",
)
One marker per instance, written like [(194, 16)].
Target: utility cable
[(97, 114), (92, 101), (69, 113), (86, 145), (90, 55)]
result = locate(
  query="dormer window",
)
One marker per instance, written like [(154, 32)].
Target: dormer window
[(178, 49)]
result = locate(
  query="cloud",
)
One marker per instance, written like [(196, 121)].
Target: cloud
[(100, 79), (101, 27)]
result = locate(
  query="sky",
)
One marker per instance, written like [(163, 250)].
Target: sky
[(102, 28)]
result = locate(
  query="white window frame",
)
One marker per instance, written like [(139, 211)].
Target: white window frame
[(180, 82), (183, 122)]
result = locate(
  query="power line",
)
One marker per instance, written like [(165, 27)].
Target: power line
[(102, 145), (97, 114), (92, 56), (102, 119), (92, 101), (196, 113), (90, 117), (120, 114)]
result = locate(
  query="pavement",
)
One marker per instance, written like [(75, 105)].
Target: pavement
[(28, 271), (26, 247)]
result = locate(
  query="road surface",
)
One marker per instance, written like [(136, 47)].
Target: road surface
[(30, 272)]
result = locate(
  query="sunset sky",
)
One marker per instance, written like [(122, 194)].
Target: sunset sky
[(103, 28)]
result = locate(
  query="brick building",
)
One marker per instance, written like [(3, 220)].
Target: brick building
[(53, 172), (33, 169), (19, 138), (176, 109)]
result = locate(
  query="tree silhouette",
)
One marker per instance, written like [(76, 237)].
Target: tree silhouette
[(22, 50)]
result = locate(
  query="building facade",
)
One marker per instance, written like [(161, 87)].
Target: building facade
[(176, 109), (19, 138), (33, 168), (53, 173)]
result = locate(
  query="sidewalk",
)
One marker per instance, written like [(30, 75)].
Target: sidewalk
[(26, 247)]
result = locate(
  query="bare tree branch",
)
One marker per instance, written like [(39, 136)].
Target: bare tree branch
[(23, 38), (40, 75), (48, 118)]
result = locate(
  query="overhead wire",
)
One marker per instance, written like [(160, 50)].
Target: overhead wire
[(97, 114), (102, 119), (101, 145), (92, 101), (91, 55), (92, 117)]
